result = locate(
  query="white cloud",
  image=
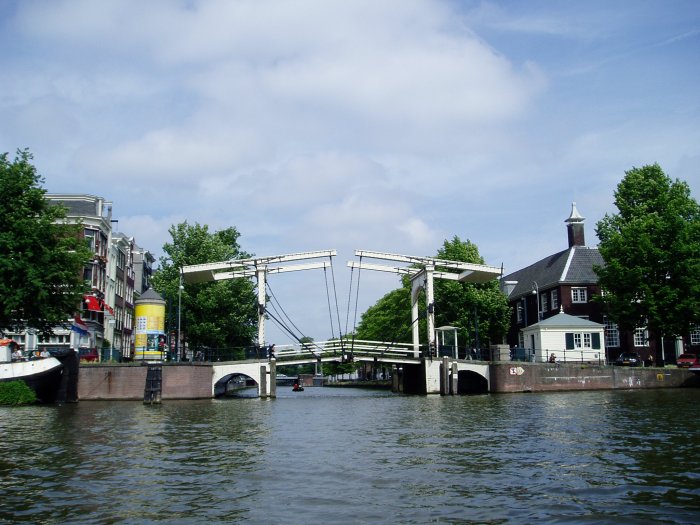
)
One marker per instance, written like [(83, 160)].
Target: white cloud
[(386, 126)]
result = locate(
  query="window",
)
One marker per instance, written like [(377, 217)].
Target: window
[(579, 295), (555, 299), (582, 340), (695, 335), (612, 335), (545, 305), (519, 310), (640, 337)]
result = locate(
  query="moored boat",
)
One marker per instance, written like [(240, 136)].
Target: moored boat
[(42, 375)]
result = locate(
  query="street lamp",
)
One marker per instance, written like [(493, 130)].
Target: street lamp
[(179, 312), (536, 292)]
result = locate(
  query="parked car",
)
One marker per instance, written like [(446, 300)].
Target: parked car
[(628, 359), (687, 360)]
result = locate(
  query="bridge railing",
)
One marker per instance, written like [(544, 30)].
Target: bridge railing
[(341, 348)]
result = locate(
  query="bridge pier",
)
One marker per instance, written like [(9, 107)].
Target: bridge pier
[(454, 380), (445, 370), (273, 378)]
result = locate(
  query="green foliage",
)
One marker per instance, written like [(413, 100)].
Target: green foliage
[(470, 306), (461, 305), (43, 256), (389, 319), (16, 393), (214, 314), (335, 368), (651, 249)]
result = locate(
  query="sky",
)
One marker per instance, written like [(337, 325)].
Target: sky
[(384, 125)]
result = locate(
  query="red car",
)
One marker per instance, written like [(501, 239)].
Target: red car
[(687, 360)]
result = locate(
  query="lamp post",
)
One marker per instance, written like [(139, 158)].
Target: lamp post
[(179, 313)]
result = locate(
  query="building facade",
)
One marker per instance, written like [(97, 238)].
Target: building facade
[(566, 282), (107, 309)]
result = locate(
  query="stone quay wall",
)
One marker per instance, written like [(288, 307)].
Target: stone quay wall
[(127, 382), (543, 377), (194, 380)]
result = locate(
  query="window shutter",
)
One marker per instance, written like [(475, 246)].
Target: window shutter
[(595, 338), (569, 341)]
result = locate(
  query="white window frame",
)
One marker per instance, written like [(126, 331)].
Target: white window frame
[(579, 295), (641, 337), (555, 299), (695, 335), (612, 335), (577, 340), (545, 302)]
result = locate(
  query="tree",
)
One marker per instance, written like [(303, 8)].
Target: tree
[(651, 249), (389, 319), (467, 306), (216, 314), (42, 256)]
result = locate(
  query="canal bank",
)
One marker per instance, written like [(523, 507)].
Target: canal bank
[(194, 380)]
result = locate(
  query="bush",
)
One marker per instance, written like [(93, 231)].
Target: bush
[(16, 393)]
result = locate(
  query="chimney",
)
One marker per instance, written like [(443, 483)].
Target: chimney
[(575, 228)]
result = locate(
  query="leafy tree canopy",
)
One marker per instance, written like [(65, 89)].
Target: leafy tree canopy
[(41, 255), (215, 314), (651, 249), (468, 307)]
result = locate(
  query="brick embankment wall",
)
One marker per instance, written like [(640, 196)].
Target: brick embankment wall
[(535, 377), (127, 382)]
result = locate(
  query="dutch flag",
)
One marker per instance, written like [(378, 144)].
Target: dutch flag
[(79, 326)]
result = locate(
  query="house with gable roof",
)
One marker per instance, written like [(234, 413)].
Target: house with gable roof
[(565, 282), (565, 338)]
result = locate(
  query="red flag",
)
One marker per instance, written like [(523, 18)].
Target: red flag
[(93, 303)]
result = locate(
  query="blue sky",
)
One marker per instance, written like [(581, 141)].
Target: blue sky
[(378, 125)]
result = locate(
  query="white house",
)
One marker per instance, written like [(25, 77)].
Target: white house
[(569, 338)]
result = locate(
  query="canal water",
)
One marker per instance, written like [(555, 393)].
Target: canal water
[(329, 455)]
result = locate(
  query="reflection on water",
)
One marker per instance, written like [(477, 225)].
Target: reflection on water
[(354, 456)]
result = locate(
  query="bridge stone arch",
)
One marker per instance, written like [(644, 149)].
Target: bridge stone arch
[(470, 382), (221, 386), (260, 371), (473, 378)]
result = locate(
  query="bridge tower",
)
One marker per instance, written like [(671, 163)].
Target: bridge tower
[(422, 272), (258, 267)]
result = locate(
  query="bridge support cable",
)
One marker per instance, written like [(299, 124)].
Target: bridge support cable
[(357, 298), (328, 298), (335, 295), (304, 346), (258, 267), (283, 313), (337, 308), (285, 327), (347, 311)]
